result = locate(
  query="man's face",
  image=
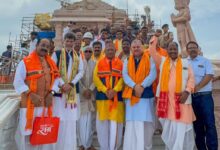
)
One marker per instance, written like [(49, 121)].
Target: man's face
[(172, 51), (165, 29), (144, 31), (88, 53), (33, 37), (77, 45), (68, 43), (158, 33), (192, 50), (137, 49), (119, 35), (129, 30), (79, 35), (104, 35), (97, 50), (43, 47), (110, 51), (87, 41), (126, 47)]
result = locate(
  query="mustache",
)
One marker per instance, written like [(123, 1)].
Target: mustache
[(44, 50)]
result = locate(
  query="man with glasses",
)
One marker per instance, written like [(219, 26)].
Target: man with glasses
[(202, 101), (87, 100)]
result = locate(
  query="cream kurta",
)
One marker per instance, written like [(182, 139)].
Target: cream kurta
[(87, 83)]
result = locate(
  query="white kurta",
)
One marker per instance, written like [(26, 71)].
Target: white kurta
[(22, 136), (68, 116), (85, 122)]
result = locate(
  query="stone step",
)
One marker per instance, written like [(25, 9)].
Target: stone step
[(157, 143)]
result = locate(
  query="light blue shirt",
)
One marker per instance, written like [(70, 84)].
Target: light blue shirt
[(144, 109), (202, 67)]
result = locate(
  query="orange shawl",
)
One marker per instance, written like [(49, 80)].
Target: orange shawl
[(34, 72), (104, 71), (138, 76), (164, 88)]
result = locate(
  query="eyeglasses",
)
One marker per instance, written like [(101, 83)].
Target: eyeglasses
[(88, 51)]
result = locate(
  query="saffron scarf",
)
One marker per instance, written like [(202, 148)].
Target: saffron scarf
[(34, 67), (137, 76), (71, 96), (164, 88)]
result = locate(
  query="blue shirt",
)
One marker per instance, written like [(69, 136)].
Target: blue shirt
[(202, 67)]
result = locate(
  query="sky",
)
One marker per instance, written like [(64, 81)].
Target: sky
[(205, 18)]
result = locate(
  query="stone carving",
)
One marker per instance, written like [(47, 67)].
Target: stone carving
[(181, 22), (84, 5)]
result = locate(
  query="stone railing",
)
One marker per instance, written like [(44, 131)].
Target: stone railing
[(9, 104)]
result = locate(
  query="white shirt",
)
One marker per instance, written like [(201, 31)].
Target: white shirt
[(80, 73)]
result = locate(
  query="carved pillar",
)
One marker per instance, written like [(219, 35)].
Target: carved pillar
[(59, 35)]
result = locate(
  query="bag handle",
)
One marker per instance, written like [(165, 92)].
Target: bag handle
[(49, 111)]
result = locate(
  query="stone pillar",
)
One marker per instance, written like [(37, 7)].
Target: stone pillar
[(59, 36)]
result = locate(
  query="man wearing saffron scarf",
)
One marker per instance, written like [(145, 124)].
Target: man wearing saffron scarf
[(126, 46), (110, 107), (139, 72), (174, 109), (67, 103), (34, 78), (118, 42)]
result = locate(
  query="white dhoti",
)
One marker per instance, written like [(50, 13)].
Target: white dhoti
[(67, 139), (22, 136), (85, 130), (177, 135), (138, 135), (109, 134)]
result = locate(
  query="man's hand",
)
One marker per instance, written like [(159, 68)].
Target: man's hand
[(66, 88), (197, 88), (183, 97), (48, 100), (87, 94), (138, 90), (110, 94), (36, 99)]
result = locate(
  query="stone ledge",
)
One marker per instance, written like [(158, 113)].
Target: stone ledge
[(9, 104)]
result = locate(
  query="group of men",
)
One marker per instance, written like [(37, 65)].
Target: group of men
[(107, 85)]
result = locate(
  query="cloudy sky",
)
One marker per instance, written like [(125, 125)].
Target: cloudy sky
[(205, 18)]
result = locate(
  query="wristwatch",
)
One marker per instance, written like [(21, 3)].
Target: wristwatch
[(52, 92)]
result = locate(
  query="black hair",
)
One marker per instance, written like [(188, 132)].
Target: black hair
[(105, 30), (126, 39), (173, 43), (97, 43), (165, 25), (70, 35), (9, 47), (34, 33), (192, 42)]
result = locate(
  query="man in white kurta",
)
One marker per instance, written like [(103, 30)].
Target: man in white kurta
[(68, 113), (87, 102), (26, 72), (140, 116)]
